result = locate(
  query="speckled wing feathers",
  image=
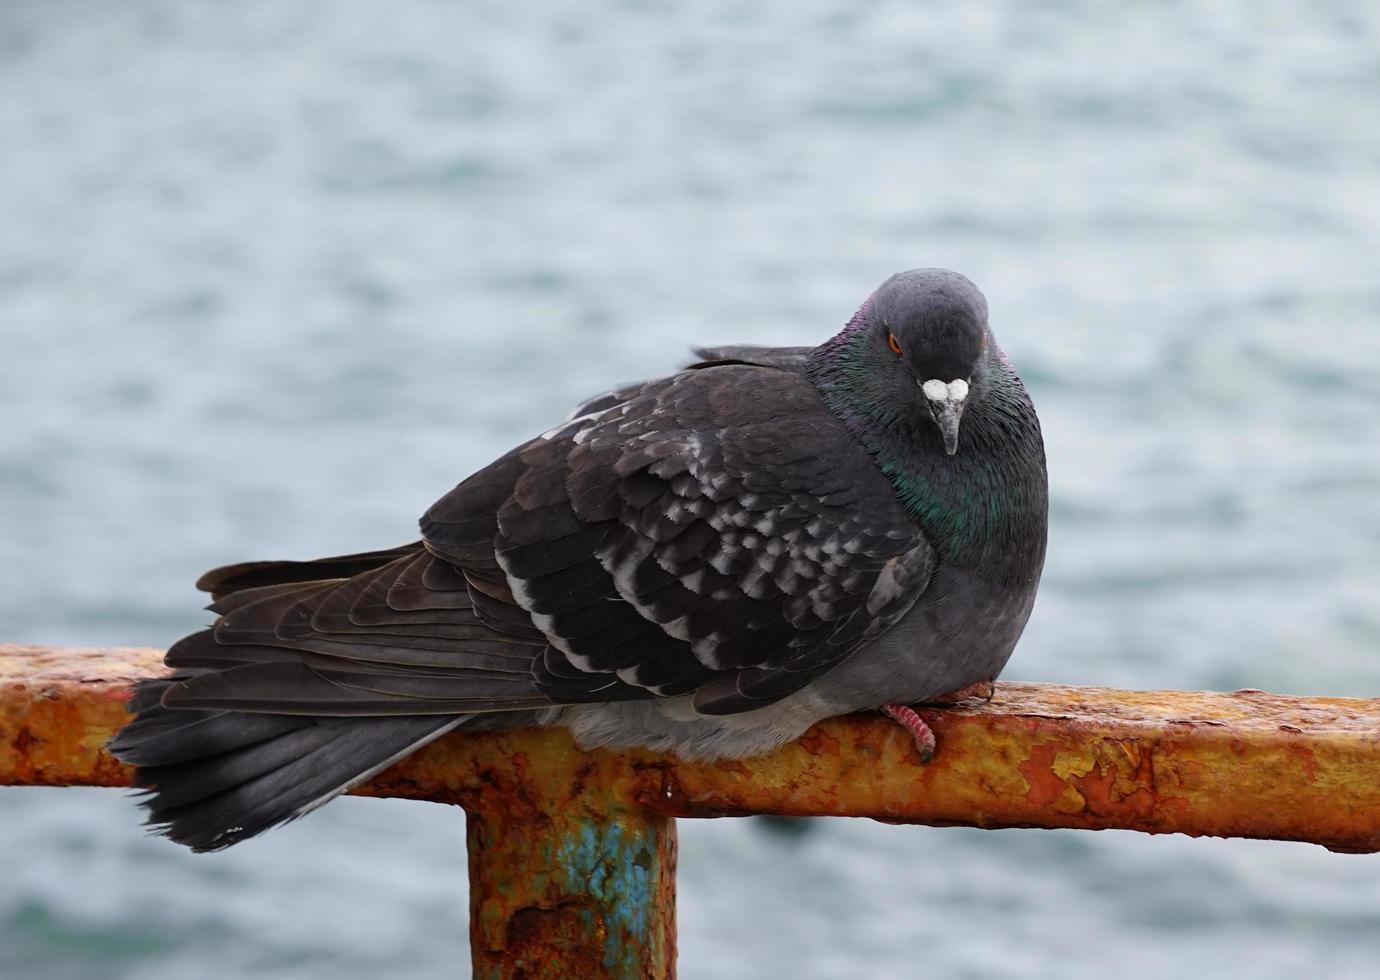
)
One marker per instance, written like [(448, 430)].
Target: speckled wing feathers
[(714, 532)]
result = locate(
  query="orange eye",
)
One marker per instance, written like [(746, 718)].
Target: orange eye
[(894, 344)]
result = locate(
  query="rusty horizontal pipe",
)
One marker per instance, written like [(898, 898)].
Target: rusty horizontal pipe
[(1247, 764), (572, 854)]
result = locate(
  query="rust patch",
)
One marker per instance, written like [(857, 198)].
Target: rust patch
[(25, 741), (1038, 770), (734, 766), (1176, 808), (1104, 794), (579, 780), (1308, 760), (667, 796), (555, 943), (818, 742)]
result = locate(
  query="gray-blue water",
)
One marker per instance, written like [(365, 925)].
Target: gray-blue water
[(273, 277)]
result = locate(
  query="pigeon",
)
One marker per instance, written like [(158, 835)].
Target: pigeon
[(704, 564)]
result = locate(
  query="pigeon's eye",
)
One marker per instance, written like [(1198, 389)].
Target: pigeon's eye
[(894, 344)]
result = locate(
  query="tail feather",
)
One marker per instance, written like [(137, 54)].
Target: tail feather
[(182, 736), (215, 778)]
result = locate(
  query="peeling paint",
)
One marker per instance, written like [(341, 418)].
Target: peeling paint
[(592, 896), (1038, 769)]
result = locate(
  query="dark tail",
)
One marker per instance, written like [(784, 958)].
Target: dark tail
[(316, 676), (214, 778)]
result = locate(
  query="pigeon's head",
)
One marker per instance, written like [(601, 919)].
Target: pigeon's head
[(927, 343)]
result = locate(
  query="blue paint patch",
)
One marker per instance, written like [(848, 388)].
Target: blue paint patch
[(613, 862)]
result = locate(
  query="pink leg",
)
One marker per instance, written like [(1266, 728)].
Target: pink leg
[(913, 723)]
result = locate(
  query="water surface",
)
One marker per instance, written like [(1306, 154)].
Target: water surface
[(274, 278)]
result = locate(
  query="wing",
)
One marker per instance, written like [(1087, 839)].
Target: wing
[(716, 533)]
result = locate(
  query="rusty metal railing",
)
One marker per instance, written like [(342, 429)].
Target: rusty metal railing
[(572, 854)]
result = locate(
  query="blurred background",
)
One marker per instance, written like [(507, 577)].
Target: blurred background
[(273, 278)]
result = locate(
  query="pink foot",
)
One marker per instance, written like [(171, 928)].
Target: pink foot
[(913, 723)]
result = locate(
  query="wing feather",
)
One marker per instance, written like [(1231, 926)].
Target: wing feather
[(716, 532)]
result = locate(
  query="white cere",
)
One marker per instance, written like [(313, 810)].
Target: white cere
[(938, 391)]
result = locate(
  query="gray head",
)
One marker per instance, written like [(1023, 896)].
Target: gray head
[(918, 347)]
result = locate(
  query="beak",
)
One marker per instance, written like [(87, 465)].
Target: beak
[(946, 401)]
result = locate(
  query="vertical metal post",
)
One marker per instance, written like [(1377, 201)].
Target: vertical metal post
[(559, 889)]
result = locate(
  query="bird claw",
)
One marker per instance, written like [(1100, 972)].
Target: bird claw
[(907, 718)]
